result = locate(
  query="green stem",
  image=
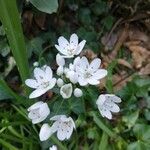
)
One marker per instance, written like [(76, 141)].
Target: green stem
[(101, 125), (104, 141), (59, 106), (10, 19), (58, 143), (18, 99), (7, 145)]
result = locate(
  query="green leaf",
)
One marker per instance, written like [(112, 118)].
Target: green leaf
[(101, 125), (108, 22), (99, 8), (10, 19), (130, 119), (7, 145), (139, 145), (109, 84), (142, 131), (35, 45), (85, 16), (2, 31), (104, 141), (47, 6), (77, 105), (4, 93)]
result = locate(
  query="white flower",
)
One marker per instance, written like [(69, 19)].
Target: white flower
[(60, 82), (54, 147), (78, 92), (89, 73), (66, 91), (106, 104), (71, 48), (43, 81), (62, 125), (38, 112)]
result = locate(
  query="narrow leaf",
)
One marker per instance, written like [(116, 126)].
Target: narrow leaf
[(47, 6)]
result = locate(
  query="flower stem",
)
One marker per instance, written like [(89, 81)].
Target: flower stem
[(104, 141), (101, 125), (59, 107), (58, 143)]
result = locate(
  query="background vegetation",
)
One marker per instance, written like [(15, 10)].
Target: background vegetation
[(117, 31)]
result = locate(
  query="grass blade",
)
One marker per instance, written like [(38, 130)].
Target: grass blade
[(9, 17)]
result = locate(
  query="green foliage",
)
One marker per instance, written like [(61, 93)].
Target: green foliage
[(4, 91), (47, 6), (90, 20), (10, 19)]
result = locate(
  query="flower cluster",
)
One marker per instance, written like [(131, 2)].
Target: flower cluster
[(73, 73)]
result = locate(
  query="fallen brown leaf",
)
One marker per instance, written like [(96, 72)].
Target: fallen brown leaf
[(124, 63)]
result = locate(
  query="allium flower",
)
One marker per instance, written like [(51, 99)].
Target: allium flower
[(87, 73), (66, 91), (107, 103), (62, 125), (71, 48), (78, 92), (54, 147), (43, 81), (38, 112)]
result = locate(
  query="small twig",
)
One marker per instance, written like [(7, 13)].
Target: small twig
[(121, 80), (120, 41), (113, 28)]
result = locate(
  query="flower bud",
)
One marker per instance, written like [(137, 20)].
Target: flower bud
[(78, 92), (60, 71), (60, 82), (35, 64)]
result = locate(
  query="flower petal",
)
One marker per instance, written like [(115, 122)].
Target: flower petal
[(51, 84), (74, 40), (101, 99), (36, 105), (82, 81), (45, 132), (31, 83), (37, 93), (114, 98), (49, 73), (60, 60), (80, 47), (73, 77), (63, 42), (44, 110), (106, 113), (38, 120), (93, 81), (61, 49), (57, 117), (60, 70), (39, 74), (115, 108), (54, 147), (99, 74), (84, 64), (95, 64), (61, 134)]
